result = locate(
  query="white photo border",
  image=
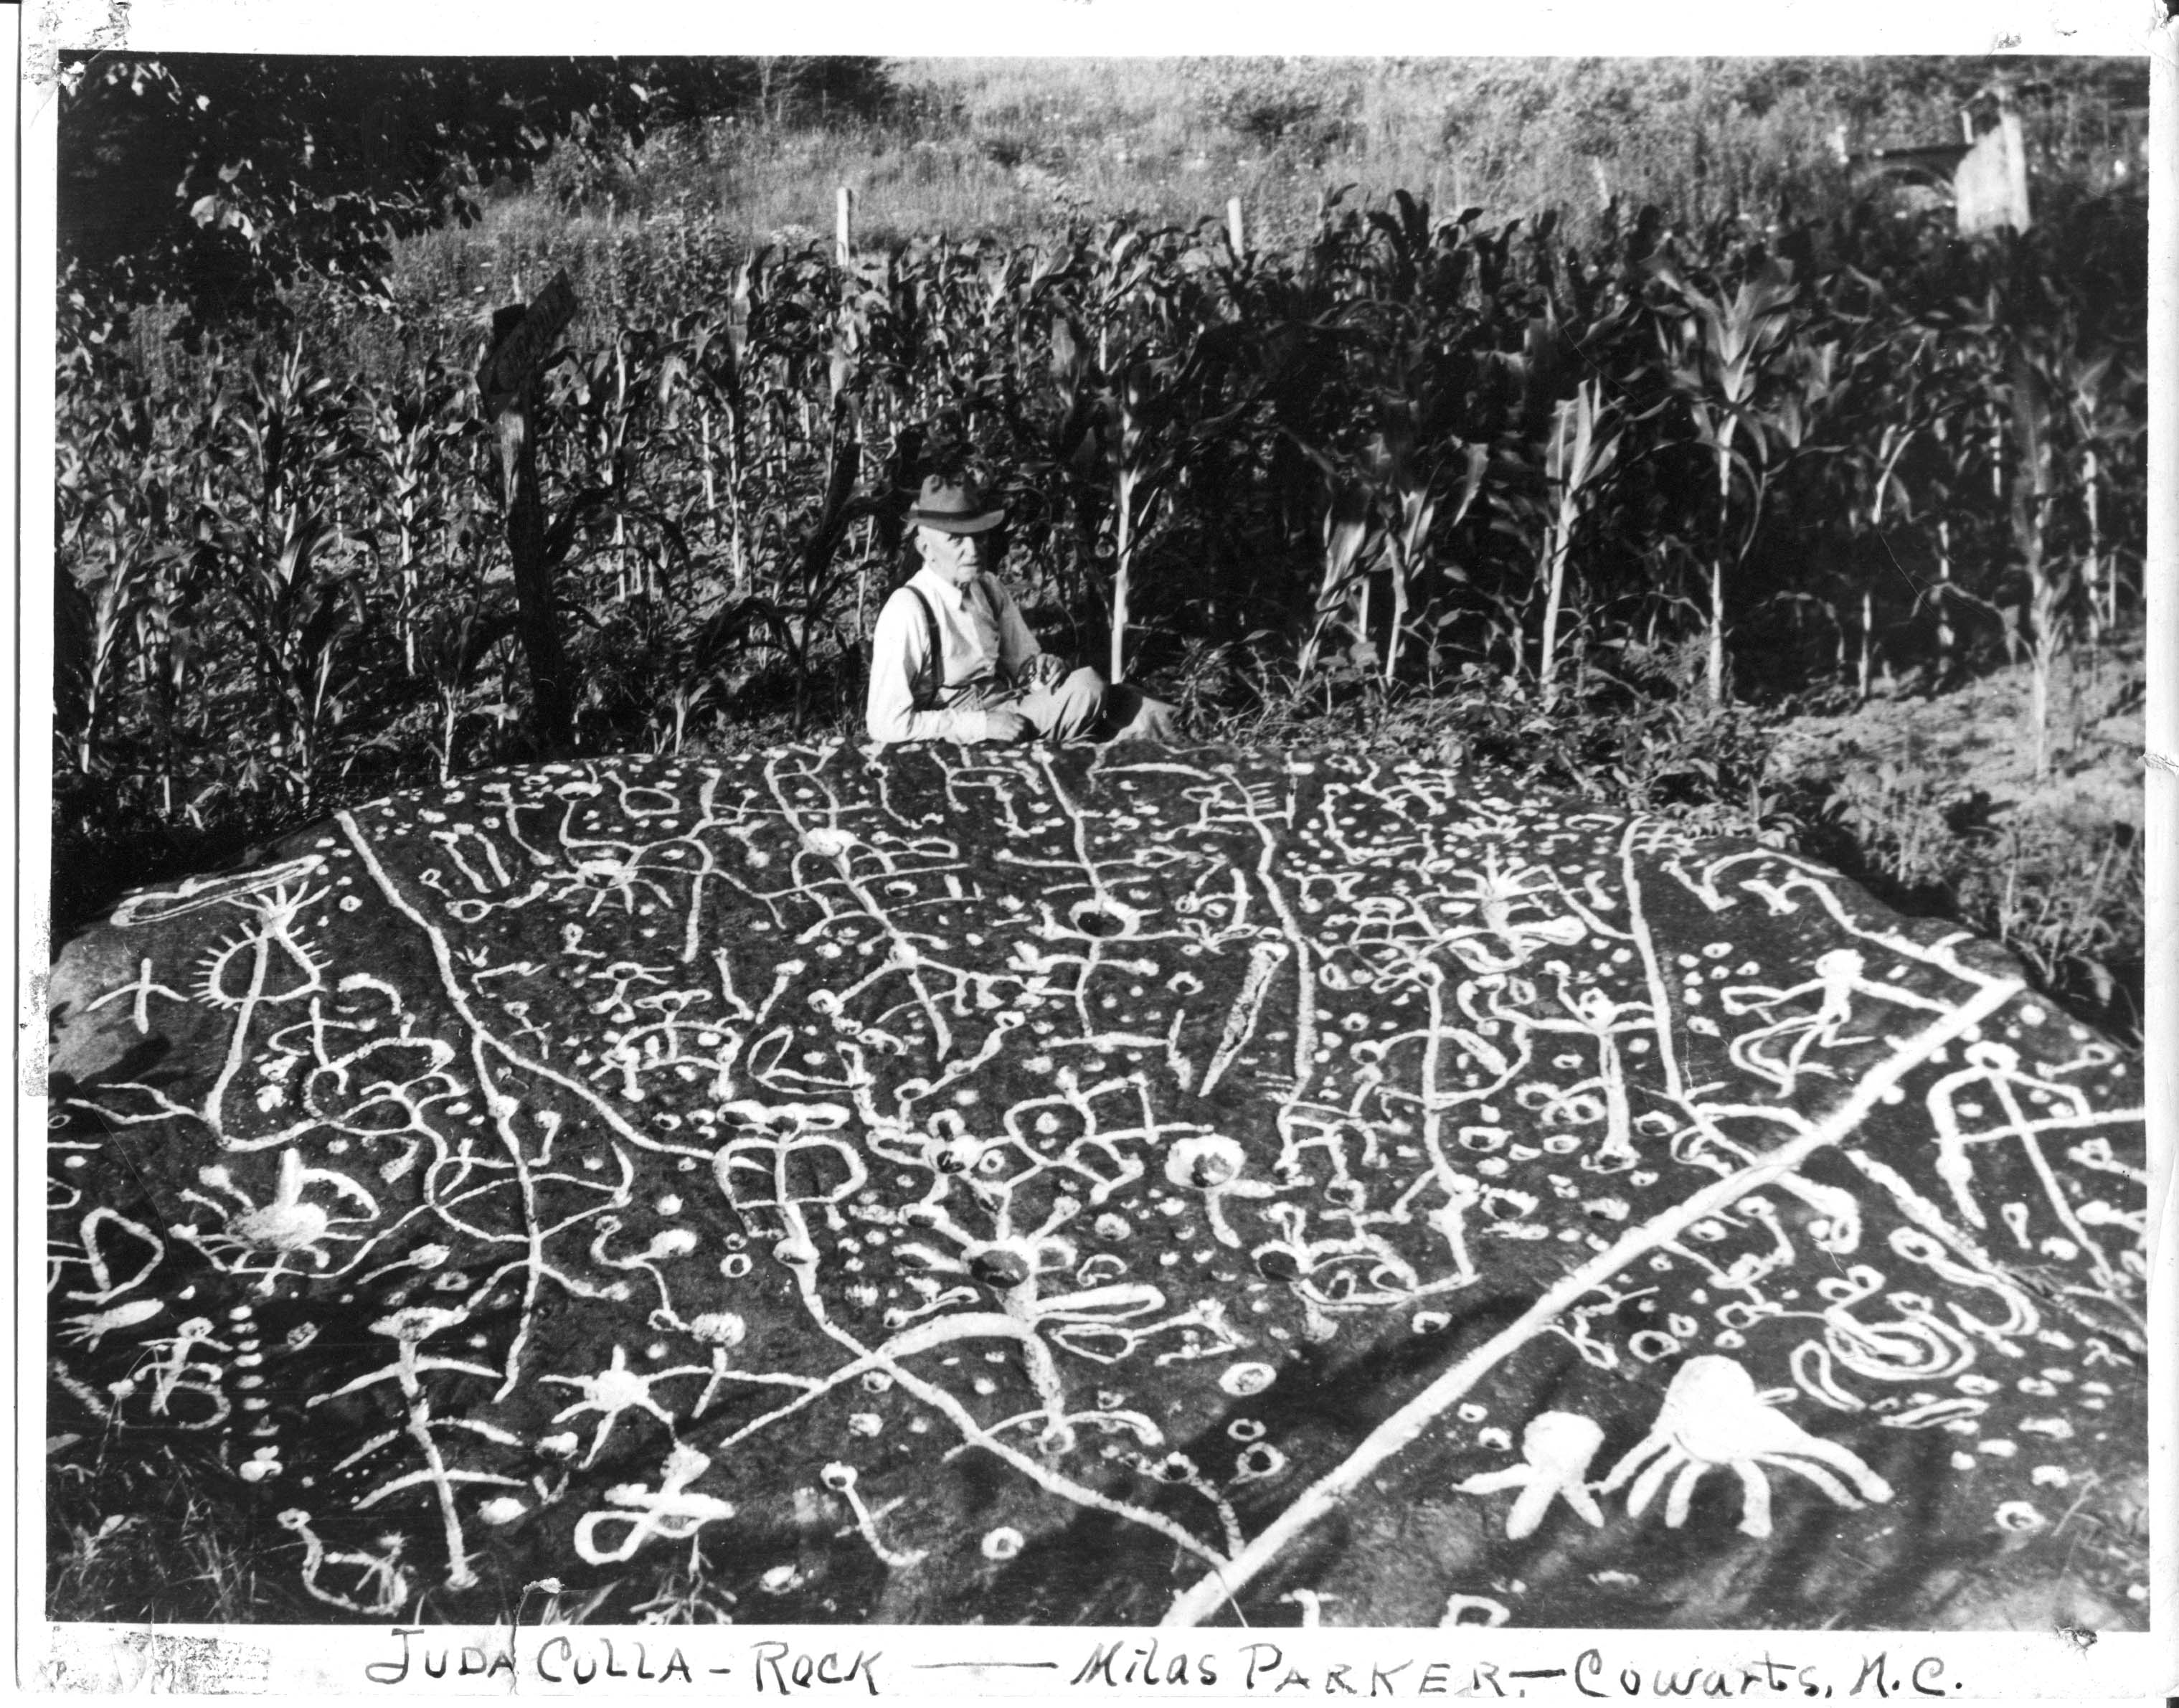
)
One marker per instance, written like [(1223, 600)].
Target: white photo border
[(994, 1664)]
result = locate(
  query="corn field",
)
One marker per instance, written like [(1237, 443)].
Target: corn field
[(1416, 453)]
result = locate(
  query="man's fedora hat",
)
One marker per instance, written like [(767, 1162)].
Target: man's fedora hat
[(953, 508)]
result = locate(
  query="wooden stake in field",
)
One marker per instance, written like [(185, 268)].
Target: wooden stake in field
[(843, 227), (523, 335)]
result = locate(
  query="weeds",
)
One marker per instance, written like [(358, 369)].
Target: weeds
[(685, 1597), (2066, 897), (148, 1551)]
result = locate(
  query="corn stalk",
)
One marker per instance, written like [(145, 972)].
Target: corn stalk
[(1721, 353), (1353, 539), (1577, 459)]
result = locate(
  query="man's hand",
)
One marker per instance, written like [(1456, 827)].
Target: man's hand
[(1008, 726), (1044, 670)]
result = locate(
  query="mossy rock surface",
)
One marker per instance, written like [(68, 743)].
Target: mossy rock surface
[(1022, 1186)]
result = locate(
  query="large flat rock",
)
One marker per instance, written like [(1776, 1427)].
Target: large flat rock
[(1027, 1187)]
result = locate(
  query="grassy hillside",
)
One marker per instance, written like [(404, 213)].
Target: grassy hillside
[(1010, 148)]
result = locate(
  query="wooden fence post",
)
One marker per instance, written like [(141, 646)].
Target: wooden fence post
[(524, 336), (2016, 163), (843, 229), (1235, 232)]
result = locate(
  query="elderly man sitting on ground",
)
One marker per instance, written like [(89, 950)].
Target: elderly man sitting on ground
[(951, 659)]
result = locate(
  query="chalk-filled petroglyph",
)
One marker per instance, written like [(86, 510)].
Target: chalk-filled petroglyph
[(1121, 1187)]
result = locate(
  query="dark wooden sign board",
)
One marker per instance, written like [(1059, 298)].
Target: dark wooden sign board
[(516, 357)]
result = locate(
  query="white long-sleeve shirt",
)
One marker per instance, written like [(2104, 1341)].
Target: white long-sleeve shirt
[(981, 640)]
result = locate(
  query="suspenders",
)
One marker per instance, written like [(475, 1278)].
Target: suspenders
[(939, 695), (936, 693)]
